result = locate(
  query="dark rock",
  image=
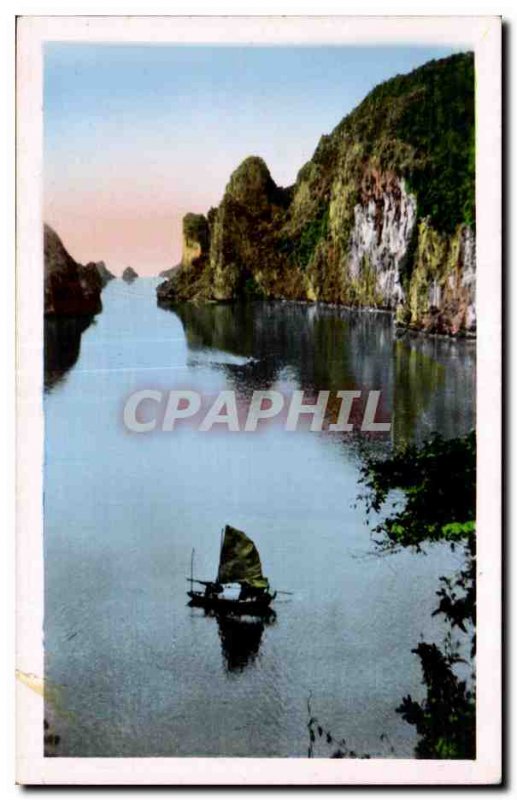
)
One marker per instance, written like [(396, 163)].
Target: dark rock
[(105, 274), (71, 289), (168, 273), (129, 275)]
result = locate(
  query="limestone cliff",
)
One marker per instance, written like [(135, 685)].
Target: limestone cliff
[(71, 289), (381, 216)]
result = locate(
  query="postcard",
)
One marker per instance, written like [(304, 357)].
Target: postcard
[(259, 392)]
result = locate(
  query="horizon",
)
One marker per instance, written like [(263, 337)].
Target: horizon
[(123, 160)]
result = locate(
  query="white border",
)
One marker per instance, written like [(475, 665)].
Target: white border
[(479, 33)]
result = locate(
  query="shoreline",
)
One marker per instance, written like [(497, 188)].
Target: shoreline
[(399, 328)]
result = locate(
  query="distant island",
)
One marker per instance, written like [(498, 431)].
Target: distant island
[(382, 216), (129, 275)]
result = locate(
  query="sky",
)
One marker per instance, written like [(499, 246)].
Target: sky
[(136, 136)]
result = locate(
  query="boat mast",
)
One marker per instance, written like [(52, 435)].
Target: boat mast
[(192, 568), (220, 552)]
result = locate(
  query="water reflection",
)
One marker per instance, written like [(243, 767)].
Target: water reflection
[(310, 341), (427, 384), (241, 636), (62, 345), (434, 387)]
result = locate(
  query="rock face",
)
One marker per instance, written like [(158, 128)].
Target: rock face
[(381, 216), (71, 289), (196, 239), (105, 275), (168, 273), (384, 222), (129, 275)]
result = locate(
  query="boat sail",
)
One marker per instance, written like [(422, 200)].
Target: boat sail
[(240, 585), (240, 561)]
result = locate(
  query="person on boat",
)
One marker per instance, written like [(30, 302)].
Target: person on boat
[(212, 587)]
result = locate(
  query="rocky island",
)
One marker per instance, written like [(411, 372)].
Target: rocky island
[(71, 289), (382, 216), (129, 275), (72, 297), (105, 275)]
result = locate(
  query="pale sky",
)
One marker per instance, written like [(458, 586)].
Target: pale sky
[(136, 136)]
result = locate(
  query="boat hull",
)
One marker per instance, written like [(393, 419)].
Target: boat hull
[(255, 605)]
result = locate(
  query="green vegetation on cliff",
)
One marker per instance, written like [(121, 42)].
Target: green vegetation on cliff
[(311, 234), (195, 228), (421, 125)]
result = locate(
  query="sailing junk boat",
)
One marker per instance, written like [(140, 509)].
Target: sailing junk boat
[(239, 586)]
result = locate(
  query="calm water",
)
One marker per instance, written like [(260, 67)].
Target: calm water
[(132, 670)]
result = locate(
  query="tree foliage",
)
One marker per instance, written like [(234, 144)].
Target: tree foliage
[(445, 720), (438, 484)]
